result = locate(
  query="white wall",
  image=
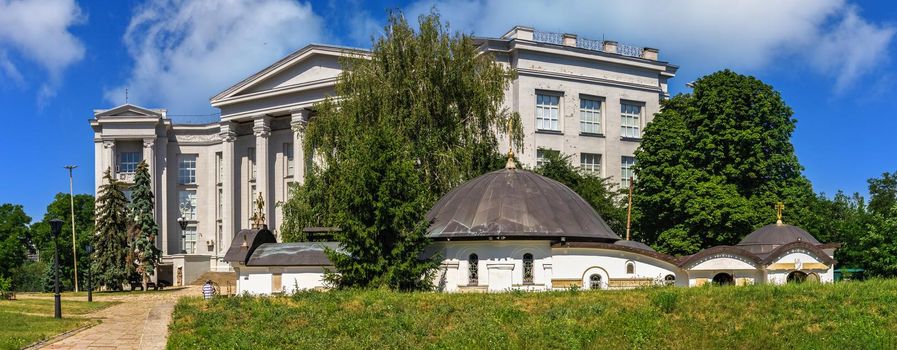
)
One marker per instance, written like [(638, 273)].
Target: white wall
[(579, 263)]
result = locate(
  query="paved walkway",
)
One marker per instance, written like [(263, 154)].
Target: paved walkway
[(139, 322)]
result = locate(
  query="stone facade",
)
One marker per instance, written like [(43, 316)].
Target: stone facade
[(217, 169)]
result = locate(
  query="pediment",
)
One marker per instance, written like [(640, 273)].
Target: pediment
[(129, 110), (313, 63)]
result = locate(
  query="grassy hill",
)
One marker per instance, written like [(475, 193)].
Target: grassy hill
[(810, 316)]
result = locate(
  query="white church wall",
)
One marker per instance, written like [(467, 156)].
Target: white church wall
[(697, 278), (499, 260), (723, 263), (303, 277), (798, 260), (577, 264), (254, 280)]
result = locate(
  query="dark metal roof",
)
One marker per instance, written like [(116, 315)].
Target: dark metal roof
[(598, 245), (634, 244), (246, 242), (293, 254), (769, 237), (516, 203)]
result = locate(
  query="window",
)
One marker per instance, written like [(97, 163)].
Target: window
[(527, 268), (252, 198), (590, 116), (187, 200), (669, 280), (189, 237), (630, 268), (288, 158), (547, 112), (595, 281), (127, 162), (543, 154), (626, 172), (187, 169), (250, 155), (220, 202), (590, 162), (473, 270), (219, 164), (630, 124)]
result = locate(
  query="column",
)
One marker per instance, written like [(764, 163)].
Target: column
[(162, 193), (262, 130), (228, 138), (297, 123), (149, 156), (109, 156)]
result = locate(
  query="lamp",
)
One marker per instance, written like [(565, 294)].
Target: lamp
[(183, 222), (55, 229)]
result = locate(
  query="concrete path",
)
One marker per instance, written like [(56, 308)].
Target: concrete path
[(139, 322)]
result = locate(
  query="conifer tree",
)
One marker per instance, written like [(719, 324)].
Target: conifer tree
[(143, 252), (111, 241)]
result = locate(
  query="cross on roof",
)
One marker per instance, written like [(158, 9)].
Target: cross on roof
[(779, 207)]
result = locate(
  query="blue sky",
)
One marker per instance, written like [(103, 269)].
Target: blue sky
[(832, 60)]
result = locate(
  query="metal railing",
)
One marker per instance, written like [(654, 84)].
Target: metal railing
[(195, 119), (585, 43)]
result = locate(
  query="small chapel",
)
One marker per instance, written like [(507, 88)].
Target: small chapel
[(513, 229)]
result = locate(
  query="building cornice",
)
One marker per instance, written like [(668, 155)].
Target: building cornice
[(311, 85), (586, 79)]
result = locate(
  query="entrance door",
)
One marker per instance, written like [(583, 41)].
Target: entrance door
[(723, 279), (797, 277)]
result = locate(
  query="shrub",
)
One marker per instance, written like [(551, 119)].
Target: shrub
[(29, 277), (5, 287)]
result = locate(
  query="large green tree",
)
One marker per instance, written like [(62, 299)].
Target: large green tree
[(14, 233), (713, 163), (413, 120), (143, 251), (883, 192), (599, 192), (61, 208), (110, 258)]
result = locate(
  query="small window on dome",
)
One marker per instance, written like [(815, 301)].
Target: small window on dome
[(669, 280), (630, 268), (527, 268), (473, 267)]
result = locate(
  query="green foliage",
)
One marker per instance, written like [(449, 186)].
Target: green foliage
[(61, 208), (111, 241), (14, 233), (29, 277), (883, 192), (26, 321), (804, 316), (142, 235), (5, 287), (713, 163), (599, 192), (413, 121)]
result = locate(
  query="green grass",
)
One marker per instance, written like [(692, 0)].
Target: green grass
[(26, 321), (834, 316)]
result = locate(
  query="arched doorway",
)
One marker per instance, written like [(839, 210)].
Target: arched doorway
[(723, 279), (797, 277), (813, 278)]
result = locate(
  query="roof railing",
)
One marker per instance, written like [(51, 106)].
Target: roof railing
[(589, 44)]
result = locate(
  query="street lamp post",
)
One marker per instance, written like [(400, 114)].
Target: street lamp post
[(72, 202), (55, 228), (89, 250), (183, 222)]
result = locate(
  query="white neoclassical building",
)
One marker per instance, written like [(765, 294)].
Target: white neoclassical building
[(585, 98), (515, 230)]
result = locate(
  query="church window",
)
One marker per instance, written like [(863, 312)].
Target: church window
[(473, 267), (630, 268), (127, 162), (527, 268), (595, 281), (669, 280)]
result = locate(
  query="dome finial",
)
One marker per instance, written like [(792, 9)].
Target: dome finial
[(779, 207)]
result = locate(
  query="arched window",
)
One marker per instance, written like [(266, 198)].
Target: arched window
[(473, 270), (595, 281), (669, 280), (723, 279), (630, 268), (527, 268)]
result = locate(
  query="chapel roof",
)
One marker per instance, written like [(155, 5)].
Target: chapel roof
[(634, 244), (293, 254), (767, 238), (514, 203)]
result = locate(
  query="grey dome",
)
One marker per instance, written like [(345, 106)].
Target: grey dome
[(634, 244), (769, 237), (513, 203)]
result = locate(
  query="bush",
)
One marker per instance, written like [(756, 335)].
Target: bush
[(29, 277), (665, 300), (5, 287)]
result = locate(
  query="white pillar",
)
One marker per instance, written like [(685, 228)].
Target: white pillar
[(161, 192), (262, 130), (228, 138), (109, 156), (298, 122)]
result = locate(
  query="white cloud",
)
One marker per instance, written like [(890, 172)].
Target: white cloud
[(700, 35), (38, 31), (184, 52)]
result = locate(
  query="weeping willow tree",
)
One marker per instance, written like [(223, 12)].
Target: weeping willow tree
[(416, 118)]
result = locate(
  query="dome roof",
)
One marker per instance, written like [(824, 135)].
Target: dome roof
[(634, 244), (770, 237), (516, 203)]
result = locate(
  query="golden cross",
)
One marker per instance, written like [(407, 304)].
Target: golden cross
[(258, 218), (779, 207)]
